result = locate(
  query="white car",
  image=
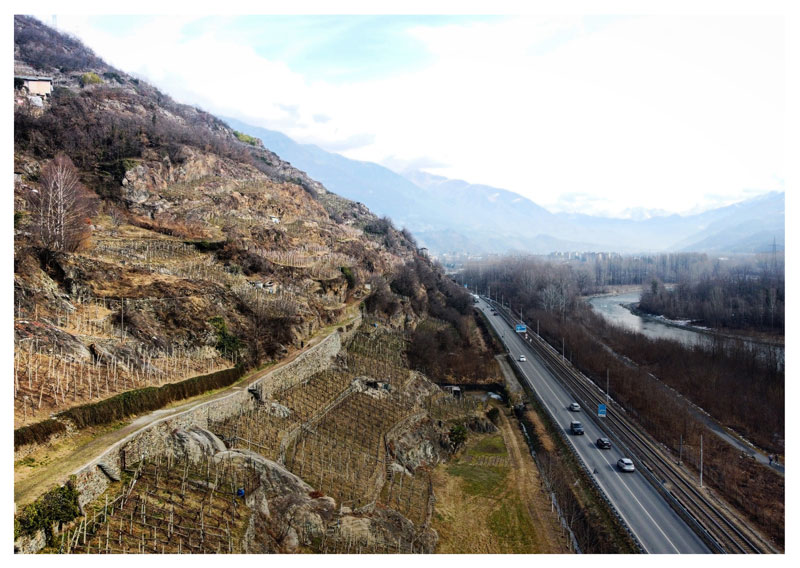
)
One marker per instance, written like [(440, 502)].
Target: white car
[(625, 464), (574, 407), (522, 358)]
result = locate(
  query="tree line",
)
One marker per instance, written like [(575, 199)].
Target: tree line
[(744, 295), (721, 377), (739, 386)]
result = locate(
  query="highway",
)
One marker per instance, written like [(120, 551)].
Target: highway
[(657, 527)]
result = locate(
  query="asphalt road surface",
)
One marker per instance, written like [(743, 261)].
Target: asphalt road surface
[(659, 529)]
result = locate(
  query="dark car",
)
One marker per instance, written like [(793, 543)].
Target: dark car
[(603, 443), (576, 427)]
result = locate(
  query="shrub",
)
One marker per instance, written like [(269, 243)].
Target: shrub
[(57, 505), (207, 246), (39, 432), (349, 276), (227, 343), (90, 79), (113, 76), (253, 141), (149, 398), (458, 435), (119, 168), (380, 226), (19, 218)]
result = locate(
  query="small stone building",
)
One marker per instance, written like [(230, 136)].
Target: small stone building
[(41, 86), (268, 286)]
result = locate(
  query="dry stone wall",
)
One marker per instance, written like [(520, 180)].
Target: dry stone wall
[(91, 481)]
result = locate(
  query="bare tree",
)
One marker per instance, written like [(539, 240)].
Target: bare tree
[(117, 217), (61, 207)]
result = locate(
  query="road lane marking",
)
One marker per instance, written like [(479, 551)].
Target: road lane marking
[(578, 450), (630, 525)]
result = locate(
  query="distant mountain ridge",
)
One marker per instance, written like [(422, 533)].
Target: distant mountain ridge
[(454, 216)]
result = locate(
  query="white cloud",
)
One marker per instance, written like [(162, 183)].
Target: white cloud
[(650, 112)]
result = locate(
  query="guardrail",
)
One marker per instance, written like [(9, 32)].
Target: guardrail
[(581, 463), (571, 377), (674, 504)]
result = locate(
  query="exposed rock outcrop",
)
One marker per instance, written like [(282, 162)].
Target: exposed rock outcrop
[(287, 514), (195, 443)]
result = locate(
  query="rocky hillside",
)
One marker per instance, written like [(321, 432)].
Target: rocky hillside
[(196, 249)]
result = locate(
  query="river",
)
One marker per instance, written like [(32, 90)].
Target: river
[(613, 309)]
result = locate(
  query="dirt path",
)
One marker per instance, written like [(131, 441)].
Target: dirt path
[(69, 459), (489, 499), (528, 482)]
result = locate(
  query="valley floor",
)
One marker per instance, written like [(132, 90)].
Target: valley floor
[(489, 499)]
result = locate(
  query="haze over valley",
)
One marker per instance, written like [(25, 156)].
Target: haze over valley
[(456, 217)]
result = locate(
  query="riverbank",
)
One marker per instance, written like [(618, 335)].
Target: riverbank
[(760, 338)]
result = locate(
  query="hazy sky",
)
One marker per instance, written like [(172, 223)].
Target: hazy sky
[(592, 114)]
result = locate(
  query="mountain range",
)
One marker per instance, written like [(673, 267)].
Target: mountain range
[(457, 217)]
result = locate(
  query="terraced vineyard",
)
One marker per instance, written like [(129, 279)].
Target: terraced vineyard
[(409, 495), (169, 507), (331, 430)]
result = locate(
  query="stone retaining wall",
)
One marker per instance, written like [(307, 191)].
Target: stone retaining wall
[(152, 440), (91, 482)]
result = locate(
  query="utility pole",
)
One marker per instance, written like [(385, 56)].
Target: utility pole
[(562, 348), (680, 451), (537, 328), (607, 397)]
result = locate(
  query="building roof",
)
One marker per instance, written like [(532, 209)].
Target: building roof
[(29, 78)]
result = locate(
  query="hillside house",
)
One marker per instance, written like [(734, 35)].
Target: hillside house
[(269, 286), (275, 219), (453, 390), (41, 86)]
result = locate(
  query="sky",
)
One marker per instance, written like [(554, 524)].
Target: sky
[(605, 115)]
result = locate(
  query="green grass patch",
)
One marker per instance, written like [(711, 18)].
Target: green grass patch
[(489, 446), (511, 524), (29, 461), (480, 480)]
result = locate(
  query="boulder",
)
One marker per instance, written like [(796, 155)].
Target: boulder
[(195, 444)]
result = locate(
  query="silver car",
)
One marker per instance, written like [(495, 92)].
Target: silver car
[(625, 464), (575, 407)]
